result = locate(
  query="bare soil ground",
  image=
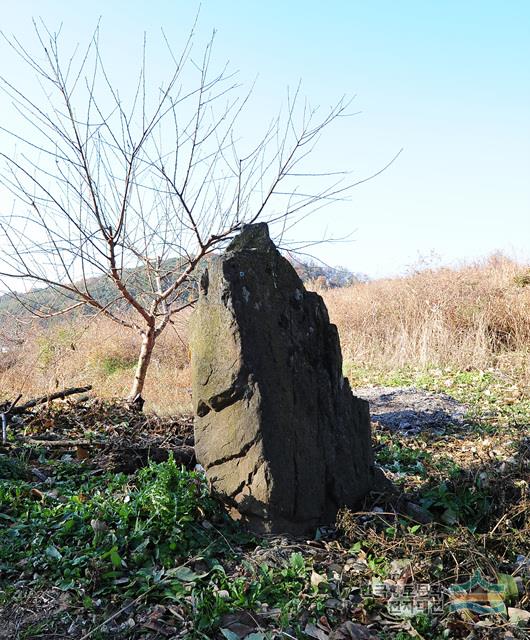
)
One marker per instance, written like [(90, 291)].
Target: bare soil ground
[(411, 410)]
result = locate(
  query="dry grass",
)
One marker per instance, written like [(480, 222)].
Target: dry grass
[(103, 354), (477, 316)]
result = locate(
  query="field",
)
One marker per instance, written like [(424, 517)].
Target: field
[(92, 551), (475, 317)]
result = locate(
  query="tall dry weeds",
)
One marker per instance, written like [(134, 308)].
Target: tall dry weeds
[(476, 316), (103, 354)]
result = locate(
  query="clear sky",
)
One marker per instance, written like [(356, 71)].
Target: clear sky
[(449, 81)]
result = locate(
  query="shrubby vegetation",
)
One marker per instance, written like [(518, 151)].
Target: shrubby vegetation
[(153, 552)]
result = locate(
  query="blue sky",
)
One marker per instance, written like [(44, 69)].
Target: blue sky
[(447, 81)]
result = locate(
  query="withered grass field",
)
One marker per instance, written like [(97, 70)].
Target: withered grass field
[(474, 317)]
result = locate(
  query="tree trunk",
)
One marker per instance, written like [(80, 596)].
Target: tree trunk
[(148, 342)]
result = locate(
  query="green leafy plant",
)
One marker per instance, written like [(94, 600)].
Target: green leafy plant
[(107, 527), (399, 458), (457, 503)]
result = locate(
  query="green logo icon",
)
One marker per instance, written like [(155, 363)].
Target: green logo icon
[(478, 596)]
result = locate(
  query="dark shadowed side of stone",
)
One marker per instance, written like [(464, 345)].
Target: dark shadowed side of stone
[(278, 431)]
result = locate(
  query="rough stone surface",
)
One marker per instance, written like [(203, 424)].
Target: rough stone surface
[(278, 430)]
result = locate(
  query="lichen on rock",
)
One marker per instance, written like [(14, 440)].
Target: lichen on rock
[(278, 430)]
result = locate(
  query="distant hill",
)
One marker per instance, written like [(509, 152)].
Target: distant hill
[(325, 276), (102, 288), (105, 291)]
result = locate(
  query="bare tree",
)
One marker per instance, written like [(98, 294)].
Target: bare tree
[(140, 189)]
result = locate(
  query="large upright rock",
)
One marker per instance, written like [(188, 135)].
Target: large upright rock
[(278, 430)]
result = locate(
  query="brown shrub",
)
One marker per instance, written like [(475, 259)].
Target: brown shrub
[(475, 316), (101, 353)]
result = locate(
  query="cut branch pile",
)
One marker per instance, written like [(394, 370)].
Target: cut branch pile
[(111, 435)]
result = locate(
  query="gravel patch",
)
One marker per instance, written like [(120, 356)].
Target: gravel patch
[(411, 410)]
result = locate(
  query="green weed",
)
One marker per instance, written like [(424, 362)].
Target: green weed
[(101, 528), (458, 503), (113, 364), (398, 458), (155, 533)]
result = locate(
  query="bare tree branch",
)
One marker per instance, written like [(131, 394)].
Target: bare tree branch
[(134, 188)]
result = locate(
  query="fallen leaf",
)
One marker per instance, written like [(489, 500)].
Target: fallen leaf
[(235, 626), (158, 627), (316, 579), (418, 513), (333, 603), (401, 570), (313, 631), (323, 623), (518, 615), (98, 525), (351, 631), (81, 453)]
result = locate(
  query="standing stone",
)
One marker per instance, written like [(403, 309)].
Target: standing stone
[(277, 429)]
